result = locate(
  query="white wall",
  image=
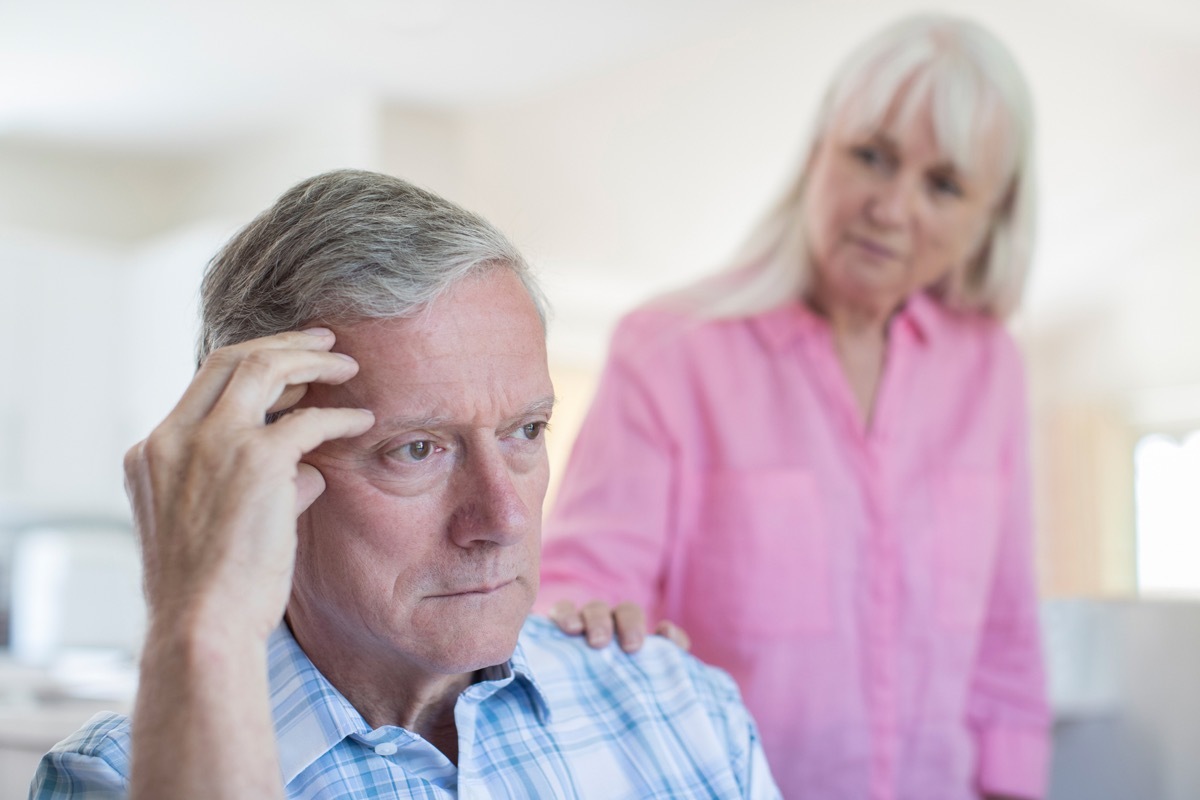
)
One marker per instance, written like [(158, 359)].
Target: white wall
[(633, 180), (625, 183)]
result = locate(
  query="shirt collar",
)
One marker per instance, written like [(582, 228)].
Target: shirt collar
[(520, 667), (516, 672), (923, 314), (311, 716), (795, 320)]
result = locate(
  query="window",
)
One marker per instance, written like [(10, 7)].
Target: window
[(1167, 498)]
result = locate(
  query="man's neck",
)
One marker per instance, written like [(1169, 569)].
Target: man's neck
[(388, 691)]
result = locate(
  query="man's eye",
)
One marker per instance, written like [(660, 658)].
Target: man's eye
[(417, 451), (532, 430)]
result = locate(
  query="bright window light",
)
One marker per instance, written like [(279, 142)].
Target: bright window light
[(1167, 493)]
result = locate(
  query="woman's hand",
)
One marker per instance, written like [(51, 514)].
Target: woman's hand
[(597, 621)]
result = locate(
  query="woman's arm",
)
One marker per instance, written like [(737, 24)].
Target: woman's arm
[(607, 536), (1007, 707)]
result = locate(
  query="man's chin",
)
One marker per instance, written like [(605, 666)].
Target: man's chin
[(469, 642), (477, 649)]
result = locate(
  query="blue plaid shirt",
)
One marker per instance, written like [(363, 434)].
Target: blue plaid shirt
[(559, 720)]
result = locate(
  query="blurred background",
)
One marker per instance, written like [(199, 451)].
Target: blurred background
[(626, 146)]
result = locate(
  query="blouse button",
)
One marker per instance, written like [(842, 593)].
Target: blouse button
[(386, 749)]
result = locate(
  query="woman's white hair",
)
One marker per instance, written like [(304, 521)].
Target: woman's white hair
[(972, 85)]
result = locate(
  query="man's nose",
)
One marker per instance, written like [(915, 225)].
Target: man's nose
[(489, 503)]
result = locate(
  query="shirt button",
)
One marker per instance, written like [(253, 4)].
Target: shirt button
[(386, 749)]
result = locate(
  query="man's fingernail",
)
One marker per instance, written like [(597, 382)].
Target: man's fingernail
[(317, 331)]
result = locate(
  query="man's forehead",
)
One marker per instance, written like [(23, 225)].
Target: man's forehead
[(479, 346)]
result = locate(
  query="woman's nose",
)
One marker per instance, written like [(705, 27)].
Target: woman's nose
[(892, 201)]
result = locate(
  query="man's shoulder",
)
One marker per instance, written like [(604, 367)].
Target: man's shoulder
[(105, 734), (673, 726), (565, 665), (92, 762)]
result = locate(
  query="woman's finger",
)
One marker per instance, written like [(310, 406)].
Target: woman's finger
[(597, 623), (676, 634), (630, 622), (567, 617)]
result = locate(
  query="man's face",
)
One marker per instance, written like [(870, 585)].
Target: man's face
[(423, 549)]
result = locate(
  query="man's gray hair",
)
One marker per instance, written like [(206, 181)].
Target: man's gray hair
[(345, 246)]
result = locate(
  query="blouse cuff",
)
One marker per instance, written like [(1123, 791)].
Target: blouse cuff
[(1013, 761)]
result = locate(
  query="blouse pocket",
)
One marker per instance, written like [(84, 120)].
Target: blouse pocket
[(758, 559), (967, 525)]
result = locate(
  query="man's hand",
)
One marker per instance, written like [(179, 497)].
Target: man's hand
[(216, 491), (597, 621)]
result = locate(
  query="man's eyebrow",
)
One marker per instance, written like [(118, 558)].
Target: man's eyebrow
[(411, 423), (544, 406), (541, 407)]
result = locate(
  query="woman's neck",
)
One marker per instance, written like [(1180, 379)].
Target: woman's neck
[(860, 341)]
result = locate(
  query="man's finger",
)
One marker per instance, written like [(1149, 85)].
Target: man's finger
[(291, 395), (210, 380), (597, 623), (261, 378), (630, 622), (308, 428), (567, 617), (309, 485)]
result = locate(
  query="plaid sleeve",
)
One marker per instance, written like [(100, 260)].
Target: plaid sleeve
[(92, 763)]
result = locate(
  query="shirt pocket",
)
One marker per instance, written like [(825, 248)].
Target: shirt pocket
[(759, 555), (967, 524)]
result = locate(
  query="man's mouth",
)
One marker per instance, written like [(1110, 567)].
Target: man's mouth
[(481, 589)]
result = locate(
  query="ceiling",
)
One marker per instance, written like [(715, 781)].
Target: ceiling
[(170, 76)]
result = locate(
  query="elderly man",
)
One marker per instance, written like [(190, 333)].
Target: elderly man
[(373, 360)]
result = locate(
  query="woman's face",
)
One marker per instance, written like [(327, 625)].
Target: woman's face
[(889, 212)]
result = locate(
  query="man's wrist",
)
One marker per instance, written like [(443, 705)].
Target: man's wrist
[(202, 643)]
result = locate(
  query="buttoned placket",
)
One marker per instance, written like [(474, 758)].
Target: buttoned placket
[(886, 561), (874, 445)]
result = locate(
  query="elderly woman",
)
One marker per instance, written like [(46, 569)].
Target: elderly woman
[(816, 463)]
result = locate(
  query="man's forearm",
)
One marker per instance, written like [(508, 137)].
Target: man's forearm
[(202, 725)]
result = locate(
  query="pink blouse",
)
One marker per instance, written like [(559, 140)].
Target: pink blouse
[(871, 590)]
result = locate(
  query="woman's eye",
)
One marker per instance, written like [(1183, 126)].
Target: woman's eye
[(869, 155), (946, 184), (531, 430)]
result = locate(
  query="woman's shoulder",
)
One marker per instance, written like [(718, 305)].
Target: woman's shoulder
[(655, 332), (983, 335)]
